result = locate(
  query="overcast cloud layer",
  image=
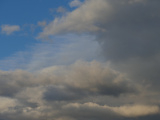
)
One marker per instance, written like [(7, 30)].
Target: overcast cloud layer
[(125, 86)]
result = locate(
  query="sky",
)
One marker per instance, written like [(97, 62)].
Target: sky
[(79, 59)]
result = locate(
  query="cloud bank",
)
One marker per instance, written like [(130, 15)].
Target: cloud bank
[(53, 92), (127, 30), (75, 3)]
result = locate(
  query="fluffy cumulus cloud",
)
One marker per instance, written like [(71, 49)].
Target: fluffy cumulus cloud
[(9, 29)]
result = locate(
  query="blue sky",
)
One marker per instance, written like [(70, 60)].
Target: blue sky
[(25, 13), (79, 59)]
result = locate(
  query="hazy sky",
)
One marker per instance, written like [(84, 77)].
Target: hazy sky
[(79, 59)]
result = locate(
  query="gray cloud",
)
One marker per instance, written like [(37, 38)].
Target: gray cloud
[(127, 30), (60, 93), (121, 25), (44, 93), (126, 111), (42, 23)]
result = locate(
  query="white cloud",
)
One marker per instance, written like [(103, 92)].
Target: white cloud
[(83, 19), (75, 3), (9, 29)]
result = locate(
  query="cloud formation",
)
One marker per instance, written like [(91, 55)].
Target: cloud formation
[(75, 3), (124, 86), (127, 30), (128, 33), (61, 10), (51, 91), (9, 29), (83, 19), (126, 111)]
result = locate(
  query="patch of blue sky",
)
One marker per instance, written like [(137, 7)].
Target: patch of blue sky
[(63, 50), (21, 49), (26, 14), (27, 11)]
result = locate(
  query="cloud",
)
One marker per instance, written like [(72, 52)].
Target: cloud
[(116, 28), (35, 92), (9, 29), (127, 31), (136, 110), (61, 10), (92, 78), (42, 23), (62, 50), (126, 110), (65, 86), (68, 92), (75, 3), (83, 19), (99, 80), (6, 104)]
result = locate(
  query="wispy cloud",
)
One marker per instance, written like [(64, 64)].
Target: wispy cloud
[(65, 50), (75, 3), (9, 29), (61, 9), (42, 23)]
